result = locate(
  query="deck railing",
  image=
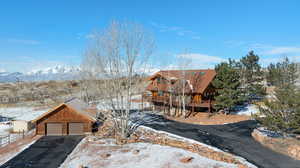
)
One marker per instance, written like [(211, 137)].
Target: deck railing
[(175, 102)]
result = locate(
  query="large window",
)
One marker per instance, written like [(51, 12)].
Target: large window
[(160, 93), (158, 80)]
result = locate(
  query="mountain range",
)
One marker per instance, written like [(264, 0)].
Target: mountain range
[(51, 73)]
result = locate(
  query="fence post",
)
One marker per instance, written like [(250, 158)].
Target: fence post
[(23, 135), (8, 138)]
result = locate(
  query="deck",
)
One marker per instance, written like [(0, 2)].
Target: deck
[(166, 101)]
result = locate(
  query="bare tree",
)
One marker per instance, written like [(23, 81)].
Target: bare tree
[(116, 55), (183, 64), (87, 85)]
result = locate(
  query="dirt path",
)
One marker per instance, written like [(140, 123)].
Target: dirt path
[(234, 138), (47, 152)]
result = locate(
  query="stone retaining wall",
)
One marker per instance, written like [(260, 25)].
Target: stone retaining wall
[(286, 146), (145, 134)]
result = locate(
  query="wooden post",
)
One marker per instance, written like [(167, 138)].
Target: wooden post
[(209, 106), (142, 102), (36, 129), (193, 108)]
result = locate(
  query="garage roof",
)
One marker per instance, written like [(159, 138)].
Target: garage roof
[(81, 107), (77, 105)]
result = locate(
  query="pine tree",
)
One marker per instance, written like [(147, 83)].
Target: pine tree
[(272, 74), (282, 73), (283, 113), (227, 84), (251, 75)]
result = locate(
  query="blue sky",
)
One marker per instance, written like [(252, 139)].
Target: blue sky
[(39, 34)]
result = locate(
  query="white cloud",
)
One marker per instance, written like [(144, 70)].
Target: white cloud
[(275, 50), (180, 31), (267, 61), (90, 36), (273, 54), (22, 41), (201, 61), (28, 63), (235, 43), (282, 50), (80, 36), (196, 37), (203, 57), (164, 28)]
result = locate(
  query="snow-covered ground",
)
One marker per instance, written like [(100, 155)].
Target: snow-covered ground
[(21, 113), (106, 154), (248, 110), (191, 141), (17, 113), (4, 128), (268, 133)]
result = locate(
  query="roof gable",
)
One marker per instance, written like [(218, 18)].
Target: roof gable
[(196, 80), (76, 108)]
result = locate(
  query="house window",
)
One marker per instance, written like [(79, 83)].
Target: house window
[(158, 80), (160, 93)]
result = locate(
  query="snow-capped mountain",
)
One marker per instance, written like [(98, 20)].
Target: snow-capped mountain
[(54, 70), (55, 73), (51, 73)]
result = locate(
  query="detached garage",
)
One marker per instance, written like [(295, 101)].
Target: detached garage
[(69, 118)]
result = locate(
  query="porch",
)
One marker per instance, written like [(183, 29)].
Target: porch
[(190, 105)]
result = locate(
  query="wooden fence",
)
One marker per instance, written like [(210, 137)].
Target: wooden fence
[(7, 139)]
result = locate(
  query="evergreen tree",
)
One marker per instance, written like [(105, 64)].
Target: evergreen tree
[(273, 75), (227, 84), (283, 113), (283, 73), (251, 75)]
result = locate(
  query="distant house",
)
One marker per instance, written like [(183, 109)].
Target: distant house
[(21, 126), (167, 88), (72, 117)]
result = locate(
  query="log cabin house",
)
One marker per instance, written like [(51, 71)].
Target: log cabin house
[(168, 87), (72, 117)]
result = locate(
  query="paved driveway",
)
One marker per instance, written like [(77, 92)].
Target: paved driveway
[(233, 138), (47, 152)]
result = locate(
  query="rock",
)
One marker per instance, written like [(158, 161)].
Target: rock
[(242, 166), (294, 151), (125, 150), (81, 166), (105, 155), (91, 138), (136, 152), (286, 146), (186, 159)]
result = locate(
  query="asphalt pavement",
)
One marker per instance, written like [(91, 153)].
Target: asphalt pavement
[(234, 138), (47, 152), (51, 151)]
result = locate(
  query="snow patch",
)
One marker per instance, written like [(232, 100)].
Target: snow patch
[(149, 156), (21, 113), (4, 129), (242, 160), (249, 110)]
